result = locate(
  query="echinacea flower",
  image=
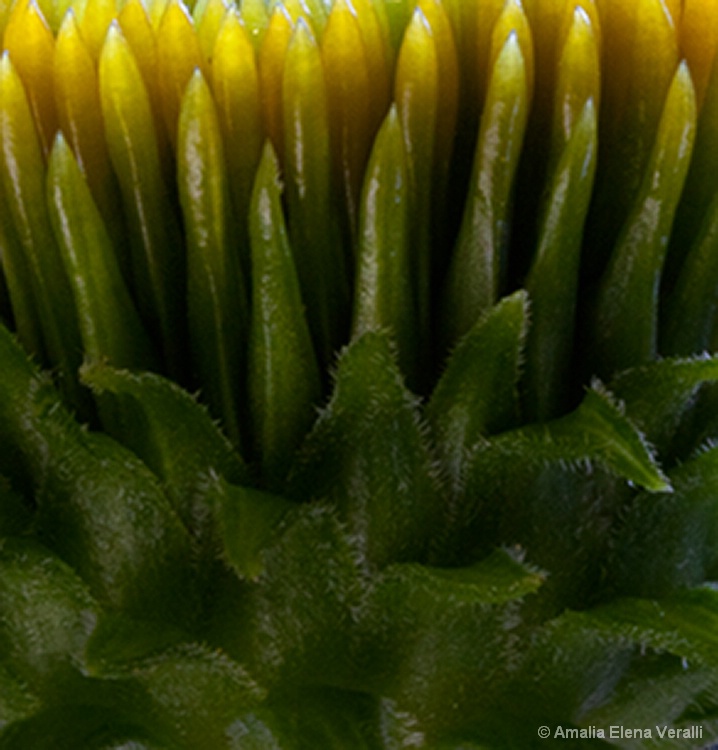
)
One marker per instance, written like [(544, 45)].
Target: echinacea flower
[(357, 374)]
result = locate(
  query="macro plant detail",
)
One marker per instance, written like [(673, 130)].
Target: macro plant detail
[(358, 374)]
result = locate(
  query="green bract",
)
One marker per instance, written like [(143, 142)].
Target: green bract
[(358, 374)]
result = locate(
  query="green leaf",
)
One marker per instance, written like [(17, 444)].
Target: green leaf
[(294, 623), (598, 431), (553, 489), (311, 719), (656, 690), (118, 640), (496, 580), (250, 522), (553, 280), (99, 507), (173, 435), (283, 378), (659, 394), (474, 282), (477, 394), (626, 313), (217, 307), (669, 541), (80, 713), (81, 727), (46, 612), (684, 624), (630, 660), (109, 324), (197, 691), (16, 700), (384, 296), (583, 660), (444, 636), (565, 669), (156, 240), (368, 457)]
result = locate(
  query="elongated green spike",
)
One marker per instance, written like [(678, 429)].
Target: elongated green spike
[(553, 280), (384, 295), (640, 55), (700, 191), (374, 25), (255, 15), (208, 16), (477, 394), (690, 315), (77, 98), (398, 14), (416, 93), (179, 54), (578, 77), (626, 313), (317, 12), (283, 378), (236, 91), (17, 278), (30, 44), (22, 176), (352, 97), (313, 228), (157, 247), (109, 324), (476, 269), (217, 306)]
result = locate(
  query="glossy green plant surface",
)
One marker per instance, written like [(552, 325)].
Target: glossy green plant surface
[(358, 374)]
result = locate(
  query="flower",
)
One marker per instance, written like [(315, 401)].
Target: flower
[(443, 274)]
